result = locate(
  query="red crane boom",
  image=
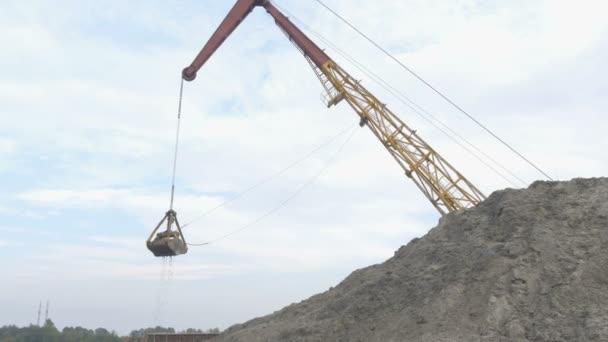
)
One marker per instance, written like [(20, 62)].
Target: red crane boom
[(237, 14), (446, 188)]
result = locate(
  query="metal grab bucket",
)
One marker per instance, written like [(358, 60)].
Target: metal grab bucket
[(167, 246), (169, 242)]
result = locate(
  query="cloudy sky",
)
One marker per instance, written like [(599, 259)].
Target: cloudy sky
[(88, 96)]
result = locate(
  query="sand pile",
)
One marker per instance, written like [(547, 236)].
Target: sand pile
[(525, 265)]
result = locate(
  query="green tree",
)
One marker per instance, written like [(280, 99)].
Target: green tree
[(49, 333)]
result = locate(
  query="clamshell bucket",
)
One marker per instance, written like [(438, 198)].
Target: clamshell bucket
[(169, 242), (167, 246)]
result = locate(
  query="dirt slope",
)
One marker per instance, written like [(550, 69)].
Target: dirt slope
[(525, 265)]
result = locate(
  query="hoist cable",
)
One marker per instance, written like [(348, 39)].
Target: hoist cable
[(271, 177), (485, 128), (177, 132), (403, 98), (288, 199)]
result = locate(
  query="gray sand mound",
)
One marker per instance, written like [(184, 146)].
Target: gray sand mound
[(525, 265)]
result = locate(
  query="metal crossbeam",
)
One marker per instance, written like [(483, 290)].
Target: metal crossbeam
[(440, 182)]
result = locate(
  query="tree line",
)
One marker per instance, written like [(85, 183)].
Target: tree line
[(49, 333)]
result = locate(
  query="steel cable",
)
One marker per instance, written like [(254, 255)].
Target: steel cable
[(404, 99), (412, 72), (177, 132), (272, 177), (288, 199)]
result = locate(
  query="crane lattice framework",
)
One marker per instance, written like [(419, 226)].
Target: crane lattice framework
[(446, 188)]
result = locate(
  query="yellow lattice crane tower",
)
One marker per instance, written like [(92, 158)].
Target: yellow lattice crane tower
[(446, 188)]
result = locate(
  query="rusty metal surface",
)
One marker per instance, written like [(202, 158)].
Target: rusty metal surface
[(236, 15), (167, 246), (308, 47)]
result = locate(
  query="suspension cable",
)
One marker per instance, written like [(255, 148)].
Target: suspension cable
[(434, 121), (271, 177), (485, 128), (177, 132), (288, 199)]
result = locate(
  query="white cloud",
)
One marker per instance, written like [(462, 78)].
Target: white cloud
[(7, 146), (10, 242), (98, 262), (99, 110), (4, 209), (11, 229), (8, 150), (69, 198)]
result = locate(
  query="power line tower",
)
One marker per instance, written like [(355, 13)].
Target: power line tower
[(39, 312), (46, 312)]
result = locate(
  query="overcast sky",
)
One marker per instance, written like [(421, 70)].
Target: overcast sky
[(88, 96)]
